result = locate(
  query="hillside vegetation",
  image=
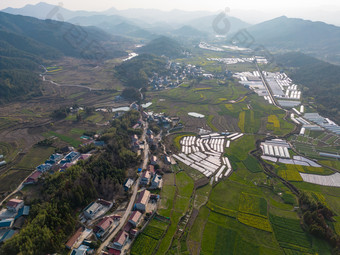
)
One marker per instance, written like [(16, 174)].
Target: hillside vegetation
[(136, 72), (163, 46), (315, 38), (321, 80), (25, 43)]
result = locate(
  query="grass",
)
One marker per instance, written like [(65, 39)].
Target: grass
[(36, 156), (185, 184), (252, 164), (197, 229), (239, 149), (167, 195), (241, 120), (143, 245), (179, 137), (252, 204), (73, 142), (11, 179), (77, 131)]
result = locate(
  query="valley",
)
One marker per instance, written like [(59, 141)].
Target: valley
[(179, 143)]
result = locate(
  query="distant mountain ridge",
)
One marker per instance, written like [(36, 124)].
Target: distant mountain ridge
[(154, 21), (45, 11), (114, 25), (314, 38)]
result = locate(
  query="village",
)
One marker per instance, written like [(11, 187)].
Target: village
[(113, 225), (177, 74)]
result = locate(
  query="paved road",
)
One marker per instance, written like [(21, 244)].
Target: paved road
[(133, 197), (15, 191), (264, 81)]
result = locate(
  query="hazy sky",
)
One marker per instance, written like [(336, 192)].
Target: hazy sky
[(323, 10), (212, 5)]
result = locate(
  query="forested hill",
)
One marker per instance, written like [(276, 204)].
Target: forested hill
[(26, 42), (321, 80), (314, 38), (137, 71), (163, 46)]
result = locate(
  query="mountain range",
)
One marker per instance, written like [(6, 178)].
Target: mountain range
[(281, 34), (290, 34), (26, 42)]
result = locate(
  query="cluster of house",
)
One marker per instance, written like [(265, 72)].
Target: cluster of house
[(79, 242), (161, 119), (130, 230), (2, 161), (56, 162), (89, 140), (175, 76), (149, 177), (12, 218)]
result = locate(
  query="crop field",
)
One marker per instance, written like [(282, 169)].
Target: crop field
[(273, 123), (221, 103), (294, 238), (144, 245), (331, 163), (221, 210), (153, 232), (201, 196), (9, 150), (36, 156), (68, 139), (252, 164), (337, 225), (241, 147), (11, 179), (252, 204), (210, 124), (168, 195), (241, 120), (224, 240), (176, 208), (178, 138), (254, 221), (233, 214), (290, 175)]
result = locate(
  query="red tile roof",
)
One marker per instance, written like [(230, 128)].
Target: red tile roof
[(74, 238), (105, 223), (146, 174), (135, 216), (34, 177), (114, 251), (143, 197), (121, 237), (14, 203), (151, 168)]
